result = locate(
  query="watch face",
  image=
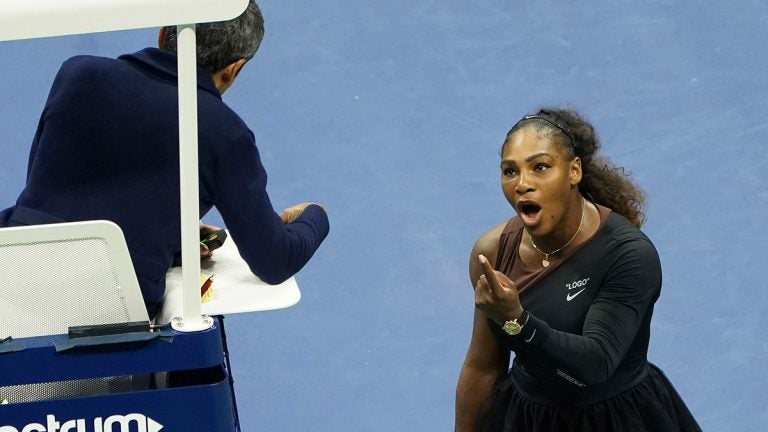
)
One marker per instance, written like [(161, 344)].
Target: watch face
[(512, 327)]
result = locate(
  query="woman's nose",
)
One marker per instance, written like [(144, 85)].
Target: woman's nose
[(523, 184)]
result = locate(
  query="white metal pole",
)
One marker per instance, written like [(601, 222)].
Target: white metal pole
[(191, 319)]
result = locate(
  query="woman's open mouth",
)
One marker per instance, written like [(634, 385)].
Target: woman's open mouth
[(529, 212)]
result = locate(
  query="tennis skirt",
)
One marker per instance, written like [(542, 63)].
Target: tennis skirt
[(652, 404)]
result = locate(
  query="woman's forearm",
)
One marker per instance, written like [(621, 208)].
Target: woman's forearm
[(473, 389)]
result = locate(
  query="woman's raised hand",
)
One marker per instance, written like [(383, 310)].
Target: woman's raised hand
[(496, 294)]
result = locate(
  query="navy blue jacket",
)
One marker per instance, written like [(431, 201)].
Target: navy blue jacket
[(106, 147)]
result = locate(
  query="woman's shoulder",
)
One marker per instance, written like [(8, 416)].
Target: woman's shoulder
[(622, 240), (489, 242), (619, 228)]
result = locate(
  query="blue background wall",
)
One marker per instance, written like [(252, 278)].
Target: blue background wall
[(392, 114)]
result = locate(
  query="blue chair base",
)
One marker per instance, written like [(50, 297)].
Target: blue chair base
[(205, 407)]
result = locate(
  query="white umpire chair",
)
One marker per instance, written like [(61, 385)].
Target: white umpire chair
[(56, 276)]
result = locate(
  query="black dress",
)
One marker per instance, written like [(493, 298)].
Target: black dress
[(580, 362)]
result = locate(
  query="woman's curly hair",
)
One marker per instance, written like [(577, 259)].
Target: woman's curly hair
[(602, 182)]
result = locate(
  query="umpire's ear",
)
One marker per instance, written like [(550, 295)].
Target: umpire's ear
[(161, 38), (226, 76)]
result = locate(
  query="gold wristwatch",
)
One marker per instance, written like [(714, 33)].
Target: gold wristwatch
[(513, 327)]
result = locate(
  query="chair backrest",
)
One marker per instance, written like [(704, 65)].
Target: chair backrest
[(61, 275)]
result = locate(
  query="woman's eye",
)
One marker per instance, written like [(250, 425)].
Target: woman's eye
[(508, 171), (540, 167)]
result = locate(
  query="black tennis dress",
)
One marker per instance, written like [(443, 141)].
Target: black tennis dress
[(580, 362)]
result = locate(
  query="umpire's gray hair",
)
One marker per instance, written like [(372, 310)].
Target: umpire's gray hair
[(221, 43)]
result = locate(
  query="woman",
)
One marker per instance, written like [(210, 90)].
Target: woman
[(572, 296)]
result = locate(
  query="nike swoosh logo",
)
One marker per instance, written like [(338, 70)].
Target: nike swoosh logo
[(570, 296), (531, 338)]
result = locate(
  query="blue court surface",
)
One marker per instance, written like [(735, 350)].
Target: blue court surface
[(392, 114)]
